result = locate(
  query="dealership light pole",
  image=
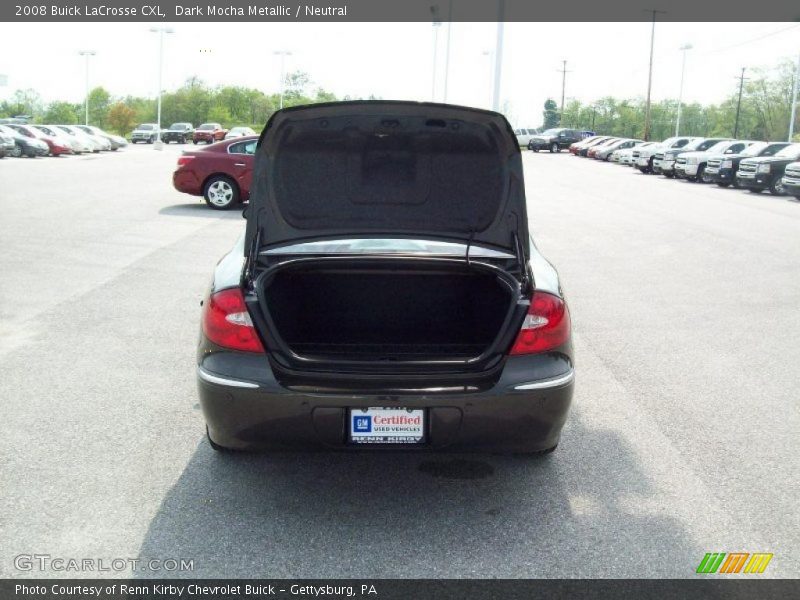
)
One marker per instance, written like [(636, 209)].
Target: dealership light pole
[(684, 48), (86, 54), (436, 26), (160, 31), (490, 55), (498, 54), (447, 47), (793, 113), (283, 54)]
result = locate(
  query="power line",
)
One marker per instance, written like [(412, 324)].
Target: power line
[(750, 41)]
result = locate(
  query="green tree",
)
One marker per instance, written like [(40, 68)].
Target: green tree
[(550, 114), (99, 103), (121, 118), (64, 113), (25, 102)]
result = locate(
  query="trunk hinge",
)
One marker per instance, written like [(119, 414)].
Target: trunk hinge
[(521, 263), (469, 245), (252, 256)]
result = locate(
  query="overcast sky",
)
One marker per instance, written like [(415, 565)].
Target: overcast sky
[(394, 60)]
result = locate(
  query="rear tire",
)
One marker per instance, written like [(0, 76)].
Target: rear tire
[(554, 148), (221, 192), (16, 152)]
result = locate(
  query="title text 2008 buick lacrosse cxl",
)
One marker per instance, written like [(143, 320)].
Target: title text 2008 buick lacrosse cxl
[(386, 293)]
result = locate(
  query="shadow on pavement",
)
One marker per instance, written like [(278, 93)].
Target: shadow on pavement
[(420, 515), (199, 209)]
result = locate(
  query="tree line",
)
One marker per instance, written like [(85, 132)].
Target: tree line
[(763, 115), (194, 102)]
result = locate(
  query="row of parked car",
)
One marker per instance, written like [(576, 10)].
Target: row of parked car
[(746, 164), (181, 133), (553, 140), (28, 140)]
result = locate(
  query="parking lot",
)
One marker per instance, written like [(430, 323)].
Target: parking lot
[(682, 439)]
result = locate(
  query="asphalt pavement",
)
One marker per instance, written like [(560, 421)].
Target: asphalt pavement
[(683, 437)]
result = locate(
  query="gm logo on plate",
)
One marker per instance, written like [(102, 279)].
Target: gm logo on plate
[(362, 424)]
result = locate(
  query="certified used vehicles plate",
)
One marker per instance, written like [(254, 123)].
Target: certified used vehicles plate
[(376, 425)]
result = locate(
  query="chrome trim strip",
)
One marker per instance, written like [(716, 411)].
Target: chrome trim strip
[(211, 378), (548, 383)]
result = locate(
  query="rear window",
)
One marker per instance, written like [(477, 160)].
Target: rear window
[(206, 127), (243, 147), (792, 151), (772, 149)]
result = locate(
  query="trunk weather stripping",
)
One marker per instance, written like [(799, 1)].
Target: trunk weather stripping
[(276, 346)]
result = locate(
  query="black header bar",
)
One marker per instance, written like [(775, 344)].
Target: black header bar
[(399, 10)]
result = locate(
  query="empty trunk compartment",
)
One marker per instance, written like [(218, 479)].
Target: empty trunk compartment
[(369, 311)]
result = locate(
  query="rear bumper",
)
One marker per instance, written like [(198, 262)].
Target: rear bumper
[(247, 408), (186, 182)]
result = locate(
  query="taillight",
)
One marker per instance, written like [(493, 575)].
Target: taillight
[(227, 323), (546, 326), (184, 160)]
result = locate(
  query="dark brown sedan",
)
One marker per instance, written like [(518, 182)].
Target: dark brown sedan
[(386, 292)]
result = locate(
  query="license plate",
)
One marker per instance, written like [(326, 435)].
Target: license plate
[(376, 425)]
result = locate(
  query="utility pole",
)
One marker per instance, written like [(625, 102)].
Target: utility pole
[(498, 54), (685, 47), (563, 72), (739, 104), (87, 54), (793, 111), (646, 135)]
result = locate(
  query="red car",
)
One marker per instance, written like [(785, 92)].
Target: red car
[(209, 133), (56, 146), (221, 173)]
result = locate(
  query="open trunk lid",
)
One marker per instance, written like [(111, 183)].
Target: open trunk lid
[(388, 169)]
